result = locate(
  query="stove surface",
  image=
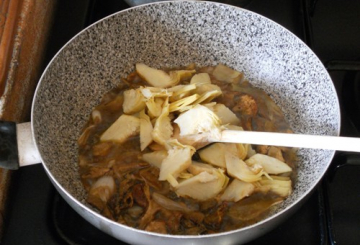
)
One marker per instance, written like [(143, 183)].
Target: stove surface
[(331, 214)]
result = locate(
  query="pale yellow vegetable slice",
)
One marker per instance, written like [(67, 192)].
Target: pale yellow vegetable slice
[(154, 106), (134, 101), (203, 186), (208, 96), (124, 127), (210, 105), (225, 114), (177, 160), (179, 104), (181, 91), (237, 168), (204, 88), (154, 77), (242, 150), (199, 119), (250, 152), (185, 175), (270, 165), (161, 79), (214, 154), (155, 158), (162, 129), (146, 129), (237, 190), (226, 74), (151, 92), (200, 79), (280, 186), (181, 75), (197, 167)]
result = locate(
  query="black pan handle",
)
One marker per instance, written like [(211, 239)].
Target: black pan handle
[(8, 146)]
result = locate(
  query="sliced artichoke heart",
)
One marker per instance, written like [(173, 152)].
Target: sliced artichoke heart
[(237, 190), (134, 101), (226, 74), (154, 77), (203, 186), (204, 88), (208, 96), (124, 127), (146, 129), (200, 79), (280, 186), (180, 75), (184, 102), (270, 165), (155, 158), (181, 91), (197, 167), (154, 106), (225, 114), (197, 120), (163, 129), (152, 92), (237, 168), (214, 154), (177, 160)]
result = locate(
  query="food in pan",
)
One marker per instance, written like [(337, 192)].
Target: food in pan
[(146, 162)]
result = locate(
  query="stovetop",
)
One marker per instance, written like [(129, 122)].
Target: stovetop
[(331, 215)]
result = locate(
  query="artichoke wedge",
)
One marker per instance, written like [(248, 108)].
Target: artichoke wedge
[(225, 114), (237, 168), (177, 160), (163, 129), (200, 79), (184, 102), (154, 77), (208, 96), (124, 127), (199, 119), (270, 165), (181, 91), (161, 79), (134, 101), (214, 154), (226, 74), (197, 167), (154, 106), (203, 186), (155, 158), (279, 185), (146, 129), (237, 190)]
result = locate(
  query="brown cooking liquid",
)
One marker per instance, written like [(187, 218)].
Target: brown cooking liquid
[(136, 181)]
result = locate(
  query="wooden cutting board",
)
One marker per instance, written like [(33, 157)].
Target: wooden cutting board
[(24, 29)]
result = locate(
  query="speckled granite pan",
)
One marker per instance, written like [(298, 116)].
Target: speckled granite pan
[(172, 34)]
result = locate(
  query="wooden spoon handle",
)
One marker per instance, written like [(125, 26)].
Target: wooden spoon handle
[(292, 140)]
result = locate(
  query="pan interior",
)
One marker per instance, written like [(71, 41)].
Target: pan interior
[(172, 34)]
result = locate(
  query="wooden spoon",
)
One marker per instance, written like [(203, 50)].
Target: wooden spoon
[(338, 143)]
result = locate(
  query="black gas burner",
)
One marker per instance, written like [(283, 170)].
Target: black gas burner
[(351, 95)]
